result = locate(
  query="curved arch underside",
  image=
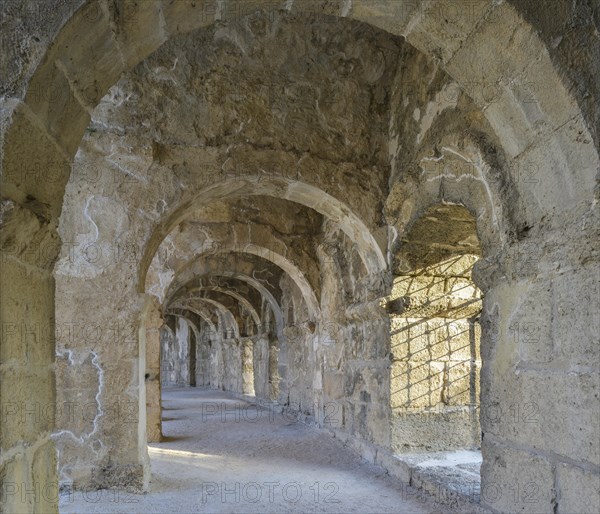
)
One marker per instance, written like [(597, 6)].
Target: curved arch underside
[(406, 110)]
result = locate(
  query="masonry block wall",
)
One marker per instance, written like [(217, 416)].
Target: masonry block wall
[(283, 157)]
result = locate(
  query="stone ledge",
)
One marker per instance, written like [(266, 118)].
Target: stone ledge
[(451, 479)]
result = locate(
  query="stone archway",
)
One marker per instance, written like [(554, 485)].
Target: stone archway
[(85, 59), (435, 308)]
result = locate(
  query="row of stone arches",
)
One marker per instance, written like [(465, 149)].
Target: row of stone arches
[(510, 212)]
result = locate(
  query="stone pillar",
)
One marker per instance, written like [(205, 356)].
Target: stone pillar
[(203, 341), (192, 356), (34, 170), (151, 325), (215, 366), (261, 359), (274, 378), (167, 353), (27, 393), (247, 366), (540, 415), (182, 348), (231, 368)]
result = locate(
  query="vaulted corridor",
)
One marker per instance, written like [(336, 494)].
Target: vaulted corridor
[(379, 218), (223, 454)]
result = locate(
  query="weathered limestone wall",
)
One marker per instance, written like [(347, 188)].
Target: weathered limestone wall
[(533, 82), (229, 368), (151, 326), (435, 346), (522, 283), (168, 356), (435, 339), (175, 357), (539, 370), (27, 393), (122, 185), (261, 367), (232, 358), (274, 370), (353, 345), (109, 394), (193, 348), (203, 356), (297, 390), (248, 366), (335, 372)]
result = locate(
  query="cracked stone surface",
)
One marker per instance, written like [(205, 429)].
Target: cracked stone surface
[(380, 216)]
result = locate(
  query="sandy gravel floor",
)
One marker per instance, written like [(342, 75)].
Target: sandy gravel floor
[(224, 455)]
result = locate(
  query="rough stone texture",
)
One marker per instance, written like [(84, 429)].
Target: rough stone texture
[(261, 171), (531, 489), (150, 339), (434, 308), (572, 479)]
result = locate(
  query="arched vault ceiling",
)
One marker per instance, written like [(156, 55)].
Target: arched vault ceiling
[(299, 192), (261, 270), (218, 312), (219, 294), (471, 50), (280, 231), (227, 319), (210, 318), (224, 300), (198, 323), (233, 280), (292, 135), (235, 288), (325, 122)]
